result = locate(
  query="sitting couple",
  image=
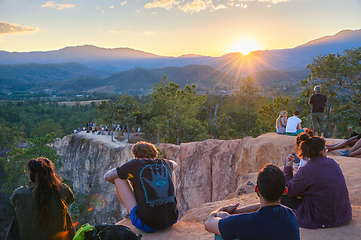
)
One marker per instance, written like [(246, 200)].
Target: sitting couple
[(290, 126)]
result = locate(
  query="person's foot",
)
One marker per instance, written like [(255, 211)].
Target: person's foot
[(344, 153)]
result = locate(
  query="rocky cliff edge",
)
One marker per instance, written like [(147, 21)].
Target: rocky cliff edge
[(210, 174)]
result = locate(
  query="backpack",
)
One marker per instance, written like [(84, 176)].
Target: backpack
[(106, 232)]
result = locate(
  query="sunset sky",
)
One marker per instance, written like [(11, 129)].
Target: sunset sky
[(172, 27)]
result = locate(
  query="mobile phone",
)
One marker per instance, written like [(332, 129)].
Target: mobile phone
[(297, 160)]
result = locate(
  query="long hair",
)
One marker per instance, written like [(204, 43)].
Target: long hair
[(310, 147), (47, 184), (278, 120)]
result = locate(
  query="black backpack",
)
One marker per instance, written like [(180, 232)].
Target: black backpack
[(111, 232)]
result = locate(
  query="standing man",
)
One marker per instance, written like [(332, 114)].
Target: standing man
[(318, 102)]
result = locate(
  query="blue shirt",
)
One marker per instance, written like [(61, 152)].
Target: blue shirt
[(275, 222)]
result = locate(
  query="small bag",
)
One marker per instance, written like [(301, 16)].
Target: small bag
[(106, 232)]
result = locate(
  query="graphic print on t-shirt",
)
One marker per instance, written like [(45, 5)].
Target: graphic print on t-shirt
[(157, 184)]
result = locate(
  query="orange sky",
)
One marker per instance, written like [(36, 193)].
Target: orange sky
[(171, 27)]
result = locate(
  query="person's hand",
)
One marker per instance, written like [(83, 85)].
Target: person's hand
[(289, 160), (222, 214), (229, 208)]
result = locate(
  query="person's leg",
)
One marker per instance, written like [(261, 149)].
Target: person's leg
[(321, 121), (125, 193), (348, 142), (356, 146), (355, 153), (314, 123)]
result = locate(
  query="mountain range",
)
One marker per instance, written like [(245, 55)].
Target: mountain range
[(90, 67)]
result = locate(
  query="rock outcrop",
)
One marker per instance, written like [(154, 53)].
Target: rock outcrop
[(210, 174)]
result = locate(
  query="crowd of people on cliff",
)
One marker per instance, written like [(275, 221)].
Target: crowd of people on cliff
[(310, 192), (92, 127)]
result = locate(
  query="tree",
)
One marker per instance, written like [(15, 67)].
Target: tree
[(10, 136), (47, 126), (14, 168), (174, 112), (336, 73), (248, 91), (268, 113), (124, 110)]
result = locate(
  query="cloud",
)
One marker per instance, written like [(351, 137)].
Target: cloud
[(197, 6), (123, 3), (220, 6), (111, 6), (52, 4), (200, 5), (265, 1), (241, 5), (9, 28), (161, 4)]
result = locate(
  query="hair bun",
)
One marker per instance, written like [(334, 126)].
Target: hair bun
[(304, 137)]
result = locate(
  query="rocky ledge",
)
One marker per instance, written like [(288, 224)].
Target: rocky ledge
[(210, 174)]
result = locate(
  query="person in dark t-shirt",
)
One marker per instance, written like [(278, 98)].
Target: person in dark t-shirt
[(318, 102), (267, 220), (145, 186)]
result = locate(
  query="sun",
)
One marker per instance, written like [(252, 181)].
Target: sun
[(245, 47)]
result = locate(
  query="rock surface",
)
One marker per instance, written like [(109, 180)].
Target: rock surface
[(210, 174)]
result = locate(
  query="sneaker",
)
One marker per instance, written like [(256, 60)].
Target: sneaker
[(344, 153)]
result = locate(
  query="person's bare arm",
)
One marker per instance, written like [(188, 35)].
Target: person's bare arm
[(247, 209), (299, 126), (174, 164), (211, 225), (111, 175)]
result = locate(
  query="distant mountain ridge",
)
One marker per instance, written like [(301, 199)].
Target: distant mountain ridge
[(122, 59), (91, 68)]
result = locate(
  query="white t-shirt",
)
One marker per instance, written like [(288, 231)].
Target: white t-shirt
[(292, 124)]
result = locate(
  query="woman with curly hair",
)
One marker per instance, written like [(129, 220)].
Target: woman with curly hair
[(41, 208)]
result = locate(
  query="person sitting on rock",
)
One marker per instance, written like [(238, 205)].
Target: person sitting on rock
[(41, 211), (293, 123), (267, 220), (321, 185), (146, 187), (349, 142), (281, 122)]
